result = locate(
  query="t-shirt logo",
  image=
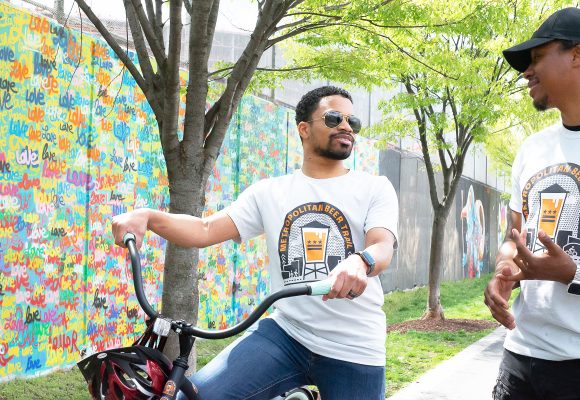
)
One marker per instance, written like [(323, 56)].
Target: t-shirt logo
[(550, 201), (315, 237)]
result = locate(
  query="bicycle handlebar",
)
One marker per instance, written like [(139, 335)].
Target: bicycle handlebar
[(312, 289)]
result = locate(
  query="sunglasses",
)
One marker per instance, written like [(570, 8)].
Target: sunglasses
[(334, 118)]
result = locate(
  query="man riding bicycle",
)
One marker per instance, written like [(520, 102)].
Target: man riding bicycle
[(321, 222)]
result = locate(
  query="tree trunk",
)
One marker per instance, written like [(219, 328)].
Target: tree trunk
[(434, 309), (180, 291), (180, 272)]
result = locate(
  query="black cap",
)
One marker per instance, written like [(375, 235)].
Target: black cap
[(562, 25)]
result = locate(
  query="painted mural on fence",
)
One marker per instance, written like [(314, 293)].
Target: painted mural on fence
[(502, 221), (78, 144), (473, 234), (76, 147)]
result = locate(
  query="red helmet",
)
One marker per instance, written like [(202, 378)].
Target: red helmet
[(128, 373)]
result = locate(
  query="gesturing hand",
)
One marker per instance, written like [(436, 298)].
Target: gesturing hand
[(497, 294), (551, 265)]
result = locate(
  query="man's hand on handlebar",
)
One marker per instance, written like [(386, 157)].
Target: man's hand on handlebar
[(134, 222), (349, 279)]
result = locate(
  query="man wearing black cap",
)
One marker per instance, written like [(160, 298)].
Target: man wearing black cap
[(541, 252)]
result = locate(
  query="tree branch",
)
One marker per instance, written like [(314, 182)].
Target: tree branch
[(121, 54), (305, 28), (138, 41), (437, 25), (159, 19), (422, 129), (201, 33), (240, 77), (171, 101), (157, 28), (156, 49)]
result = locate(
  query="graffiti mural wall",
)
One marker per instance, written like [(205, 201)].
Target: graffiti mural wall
[(77, 145)]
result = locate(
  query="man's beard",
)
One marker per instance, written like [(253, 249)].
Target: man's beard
[(342, 153), (542, 104), (334, 154)]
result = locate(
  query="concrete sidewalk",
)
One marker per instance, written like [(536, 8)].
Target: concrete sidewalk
[(471, 374)]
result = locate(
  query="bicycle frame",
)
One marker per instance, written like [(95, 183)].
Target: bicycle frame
[(187, 333)]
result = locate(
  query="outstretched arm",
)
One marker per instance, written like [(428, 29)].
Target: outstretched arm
[(180, 229)]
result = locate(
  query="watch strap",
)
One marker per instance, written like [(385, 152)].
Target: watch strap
[(368, 260)]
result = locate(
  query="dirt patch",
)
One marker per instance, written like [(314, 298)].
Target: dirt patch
[(447, 325)]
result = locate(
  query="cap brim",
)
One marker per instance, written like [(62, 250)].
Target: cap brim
[(519, 56)]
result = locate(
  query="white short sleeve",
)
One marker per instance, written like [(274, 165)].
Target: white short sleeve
[(246, 214), (384, 208)]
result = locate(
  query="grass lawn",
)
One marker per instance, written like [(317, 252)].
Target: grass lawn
[(408, 354)]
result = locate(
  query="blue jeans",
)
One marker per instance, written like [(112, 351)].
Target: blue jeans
[(267, 362)]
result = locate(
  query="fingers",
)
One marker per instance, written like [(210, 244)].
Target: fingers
[(502, 315), (512, 278), (116, 229), (548, 243), (520, 241), (134, 222), (347, 281), (496, 296), (335, 287)]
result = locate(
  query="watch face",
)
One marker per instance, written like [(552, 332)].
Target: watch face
[(574, 288), (368, 259)]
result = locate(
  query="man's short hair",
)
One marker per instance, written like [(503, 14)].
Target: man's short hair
[(568, 44), (309, 102)]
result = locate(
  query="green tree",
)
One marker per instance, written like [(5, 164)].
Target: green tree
[(453, 87), (190, 160)]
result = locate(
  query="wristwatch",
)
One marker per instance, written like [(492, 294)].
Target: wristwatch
[(574, 286), (370, 261)]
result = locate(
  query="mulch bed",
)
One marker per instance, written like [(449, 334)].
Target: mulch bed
[(446, 325)]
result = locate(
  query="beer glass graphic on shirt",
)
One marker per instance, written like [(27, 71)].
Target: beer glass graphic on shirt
[(314, 241), (552, 201)]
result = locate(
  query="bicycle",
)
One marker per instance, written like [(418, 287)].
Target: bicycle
[(142, 371)]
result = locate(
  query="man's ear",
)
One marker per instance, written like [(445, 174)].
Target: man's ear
[(304, 130), (576, 56)]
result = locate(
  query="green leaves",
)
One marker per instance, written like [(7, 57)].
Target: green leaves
[(444, 56)]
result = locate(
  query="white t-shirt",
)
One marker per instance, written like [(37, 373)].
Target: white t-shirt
[(310, 226), (546, 190)]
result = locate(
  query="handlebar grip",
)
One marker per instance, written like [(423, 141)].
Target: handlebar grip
[(129, 236), (320, 288)]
